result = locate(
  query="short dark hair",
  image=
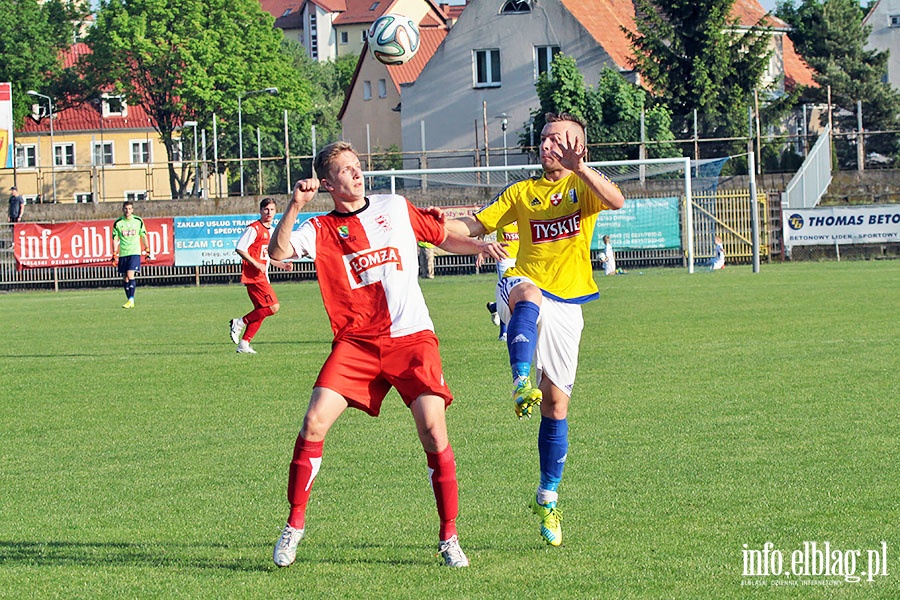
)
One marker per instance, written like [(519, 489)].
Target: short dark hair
[(265, 202), (127, 203), (565, 116), (326, 156), (14, 188)]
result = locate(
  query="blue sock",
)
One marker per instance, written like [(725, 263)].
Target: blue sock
[(130, 287), (521, 337), (553, 446), (502, 328)]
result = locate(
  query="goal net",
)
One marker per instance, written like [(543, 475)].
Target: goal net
[(670, 217)]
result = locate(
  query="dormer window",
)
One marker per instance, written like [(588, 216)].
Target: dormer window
[(286, 13), (515, 6), (114, 106), (374, 6)]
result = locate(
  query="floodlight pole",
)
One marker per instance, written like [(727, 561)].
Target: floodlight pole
[(241, 95), (52, 149)]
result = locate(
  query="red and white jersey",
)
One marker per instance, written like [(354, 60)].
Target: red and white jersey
[(255, 242), (367, 265)]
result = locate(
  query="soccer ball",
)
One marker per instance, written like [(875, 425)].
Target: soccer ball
[(393, 39)]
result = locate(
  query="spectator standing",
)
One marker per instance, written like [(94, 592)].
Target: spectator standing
[(16, 206)]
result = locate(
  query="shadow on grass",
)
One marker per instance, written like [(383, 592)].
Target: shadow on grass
[(104, 554), (206, 556)]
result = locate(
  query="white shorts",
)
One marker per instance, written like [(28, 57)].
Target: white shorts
[(559, 335)]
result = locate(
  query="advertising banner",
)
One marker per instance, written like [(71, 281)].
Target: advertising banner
[(84, 243), (211, 240), (642, 224), (842, 225), (6, 125)]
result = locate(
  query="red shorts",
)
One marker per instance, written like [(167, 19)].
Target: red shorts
[(261, 294), (362, 370)]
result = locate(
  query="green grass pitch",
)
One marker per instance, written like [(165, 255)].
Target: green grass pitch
[(141, 457)]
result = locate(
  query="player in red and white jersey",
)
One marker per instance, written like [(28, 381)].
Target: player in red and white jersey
[(253, 248), (365, 252)]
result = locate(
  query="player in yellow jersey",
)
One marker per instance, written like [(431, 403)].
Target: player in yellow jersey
[(541, 296)]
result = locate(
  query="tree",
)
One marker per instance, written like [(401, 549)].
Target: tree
[(612, 112), (694, 56), (831, 37), (186, 60), (33, 36)]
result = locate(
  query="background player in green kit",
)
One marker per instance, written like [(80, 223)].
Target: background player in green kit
[(131, 234)]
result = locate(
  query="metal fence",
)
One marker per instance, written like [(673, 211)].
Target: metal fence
[(812, 180)]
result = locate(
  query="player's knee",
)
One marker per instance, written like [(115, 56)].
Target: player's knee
[(275, 308), (524, 292), (313, 429)]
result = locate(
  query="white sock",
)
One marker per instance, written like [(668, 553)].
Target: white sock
[(546, 496)]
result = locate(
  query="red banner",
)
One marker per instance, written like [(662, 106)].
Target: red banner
[(85, 243)]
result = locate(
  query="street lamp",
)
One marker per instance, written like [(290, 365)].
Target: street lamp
[(194, 125), (52, 148), (273, 91), (504, 125)]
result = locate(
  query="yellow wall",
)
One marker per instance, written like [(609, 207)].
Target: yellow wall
[(108, 183)]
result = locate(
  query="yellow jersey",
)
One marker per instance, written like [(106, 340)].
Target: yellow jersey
[(556, 224), (509, 235)]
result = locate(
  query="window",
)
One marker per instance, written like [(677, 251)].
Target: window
[(345, 37), (84, 198), (543, 59), (367, 90), (313, 37), (895, 20), (286, 13), (140, 152), (177, 150), (64, 155), (374, 6), (136, 196), (102, 153), (26, 156), (487, 68), (114, 106), (515, 6), (382, 88)]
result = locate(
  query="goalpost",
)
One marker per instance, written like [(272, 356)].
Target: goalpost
[(656, 225)]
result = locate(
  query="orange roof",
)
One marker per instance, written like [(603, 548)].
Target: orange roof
[(751, 12), (286, 12), (360, 11), (429, 40), (796, 71), (603, 21)]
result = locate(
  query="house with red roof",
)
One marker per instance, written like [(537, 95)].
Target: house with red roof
[(330, 29), (101, 151), (483, 74)]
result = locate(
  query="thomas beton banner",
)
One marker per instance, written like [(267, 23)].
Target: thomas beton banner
[(842, 225)]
